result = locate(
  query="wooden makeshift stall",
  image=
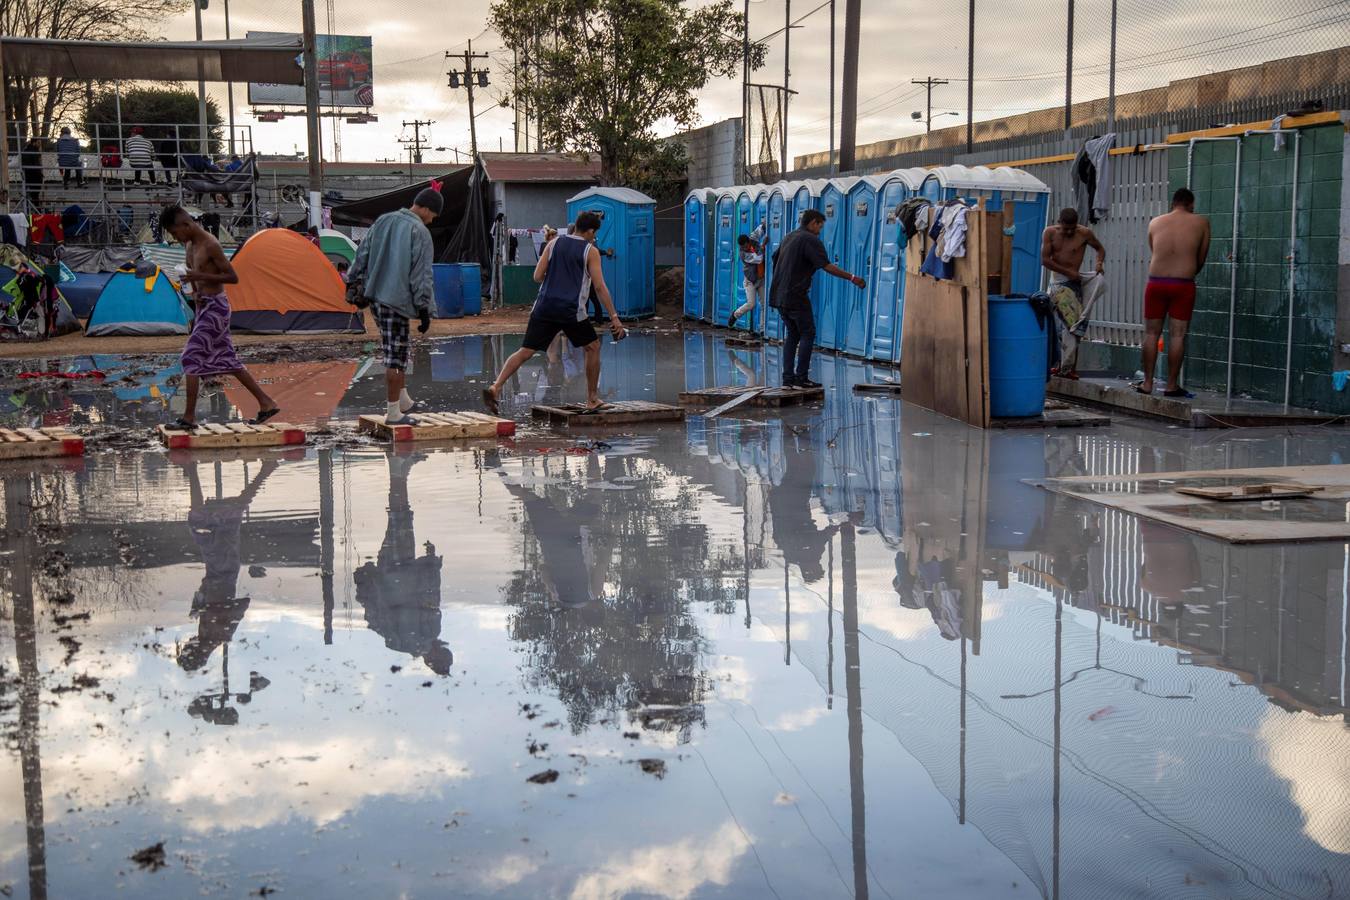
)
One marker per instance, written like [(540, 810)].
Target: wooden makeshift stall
[(944, 358)]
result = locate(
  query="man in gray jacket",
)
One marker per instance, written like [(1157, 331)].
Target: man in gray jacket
[(393, 264)]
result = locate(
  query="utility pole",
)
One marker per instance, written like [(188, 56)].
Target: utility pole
[(970, 86), (202, 147), (745, 93), (1068, 76), (415, 145), (787, 72), (229, 85), (848, 119), (312, 114), (4, 135), (834, 168), (1111, 89), (930, 82), (469, 75)]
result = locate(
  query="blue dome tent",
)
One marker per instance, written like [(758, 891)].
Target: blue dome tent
[(132, 305)]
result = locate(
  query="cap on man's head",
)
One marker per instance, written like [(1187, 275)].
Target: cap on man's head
[(138, 130), (430, 198)]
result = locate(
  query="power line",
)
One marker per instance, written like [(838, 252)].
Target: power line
[(795, 22)]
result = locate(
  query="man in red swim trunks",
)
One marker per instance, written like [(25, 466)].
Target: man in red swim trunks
[(1179, 241)]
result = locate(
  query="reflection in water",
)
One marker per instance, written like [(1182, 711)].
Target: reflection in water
[(401, 591), (1035, 691)]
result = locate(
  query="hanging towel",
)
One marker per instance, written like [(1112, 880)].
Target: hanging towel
[(953, 241), (1092, 178)]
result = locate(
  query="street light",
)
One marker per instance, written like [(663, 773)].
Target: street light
[(917, 116)]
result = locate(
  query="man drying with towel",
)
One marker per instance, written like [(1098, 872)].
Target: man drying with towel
[(209, 350), (1063, 248), (393, 270)]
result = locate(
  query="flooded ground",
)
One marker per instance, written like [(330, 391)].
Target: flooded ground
[(840, 651)]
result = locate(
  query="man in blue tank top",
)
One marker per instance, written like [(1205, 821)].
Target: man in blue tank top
[(567, 269)]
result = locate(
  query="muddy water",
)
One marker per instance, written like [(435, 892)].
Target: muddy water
[(838, 651)]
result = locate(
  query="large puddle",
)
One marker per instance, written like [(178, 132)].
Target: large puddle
[(840, 651)]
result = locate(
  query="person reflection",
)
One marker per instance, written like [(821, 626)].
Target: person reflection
[(215, 526), (570, 571), (401, 591), (931, 589), (794, 528)]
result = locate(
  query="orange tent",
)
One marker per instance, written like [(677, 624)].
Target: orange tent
[(307, 392), (287, 284)]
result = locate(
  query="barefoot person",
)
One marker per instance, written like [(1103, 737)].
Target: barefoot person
[(565, 272), (1179, 242), (209, 350), (393, 267), (1063, 246)]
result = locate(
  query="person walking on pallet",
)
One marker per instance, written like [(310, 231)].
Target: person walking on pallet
[(795, 263), (209, 349), (565, 272), (392, 272), (1178, 242)]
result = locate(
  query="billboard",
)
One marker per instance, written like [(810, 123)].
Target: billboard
[(346, 71)]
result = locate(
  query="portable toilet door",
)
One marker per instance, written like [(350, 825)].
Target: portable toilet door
[(825, 294), (857, 308), (745, 223), (888, 264), (724, 257), (761, 218), (627, 239), (779, 207), (1030, 197), (695, 253)]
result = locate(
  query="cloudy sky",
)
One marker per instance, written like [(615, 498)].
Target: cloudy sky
[(1020, 58)]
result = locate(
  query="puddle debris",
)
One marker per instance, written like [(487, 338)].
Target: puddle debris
[(548, 776), (151, 857)]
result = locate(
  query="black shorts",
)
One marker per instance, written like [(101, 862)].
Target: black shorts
[(539, 333)]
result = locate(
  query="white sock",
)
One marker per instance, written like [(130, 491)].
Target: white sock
[(405, 401), (392, 411)]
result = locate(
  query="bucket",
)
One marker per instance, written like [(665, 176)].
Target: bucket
[(471, 280), (1018, 358), (447, 290)]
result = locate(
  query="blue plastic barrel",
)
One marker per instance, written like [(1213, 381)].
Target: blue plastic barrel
[(447, 290), (1015, 510), (471, 280), (1018, 358)]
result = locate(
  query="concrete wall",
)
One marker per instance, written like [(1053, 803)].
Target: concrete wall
[(716, 154)]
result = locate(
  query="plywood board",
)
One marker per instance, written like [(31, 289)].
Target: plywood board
[(763, 396), (1155, 496), (34, 443), (733, 403), (212, 436), (440, 427), (619, 412)]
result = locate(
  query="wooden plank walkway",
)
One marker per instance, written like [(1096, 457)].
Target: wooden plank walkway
[(440, 426), (619, 412), (214, 436), (31, 443), (773, 396), (1062, 417)]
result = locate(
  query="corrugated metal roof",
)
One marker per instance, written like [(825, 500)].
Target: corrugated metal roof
[(548, 167)]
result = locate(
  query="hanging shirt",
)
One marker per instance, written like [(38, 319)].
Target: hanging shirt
[(953, 240)]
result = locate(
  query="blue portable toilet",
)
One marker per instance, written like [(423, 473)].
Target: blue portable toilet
[(1031, 199), (627, 227), (744, 223), (825, 291), (857, 308), (779, 213), (724, 257), (756, 321), (888, 264), (697, 241)]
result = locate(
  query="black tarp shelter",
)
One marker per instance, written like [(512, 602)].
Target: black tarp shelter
[(454, 189)]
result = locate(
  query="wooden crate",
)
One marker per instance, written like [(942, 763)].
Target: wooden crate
[(214, 436), (774, 396), (29, 443), (620, 412), (440, 426)]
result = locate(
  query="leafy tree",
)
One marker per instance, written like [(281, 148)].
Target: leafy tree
[(38, 102), (602, 73), (150, 107)]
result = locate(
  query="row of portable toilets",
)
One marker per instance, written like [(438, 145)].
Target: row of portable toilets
[(862, 234)]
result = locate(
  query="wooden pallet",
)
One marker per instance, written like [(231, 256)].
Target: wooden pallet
[(620, 412), (1249, 492), (214, 436), (774, 396), (878, 387), (440, 426), (1062, 417), (30, 443), (750, 343)]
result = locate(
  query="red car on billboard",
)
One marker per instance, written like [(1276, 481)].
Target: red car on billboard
[(344, 70)]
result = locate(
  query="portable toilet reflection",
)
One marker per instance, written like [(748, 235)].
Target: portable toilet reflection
[(857, 308), (1030, 198), (887, 277), (627, 230), (724, 256), (825, 290), (697, 241)]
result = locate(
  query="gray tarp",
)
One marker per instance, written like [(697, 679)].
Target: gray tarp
[(271, 60), (92, 260), (240, 182)]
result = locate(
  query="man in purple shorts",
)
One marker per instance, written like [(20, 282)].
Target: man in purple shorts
[(209, 350)]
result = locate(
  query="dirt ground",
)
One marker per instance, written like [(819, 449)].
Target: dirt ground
[(502, 321)]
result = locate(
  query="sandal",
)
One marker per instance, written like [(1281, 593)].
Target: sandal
[(263, 415), (598, 408), (1180, 393), (490, 401), (1139, 389), (182, 424)]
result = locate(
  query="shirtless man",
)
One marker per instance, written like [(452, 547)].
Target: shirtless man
[(1179, 242), (1063, 246), (209, 349)]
